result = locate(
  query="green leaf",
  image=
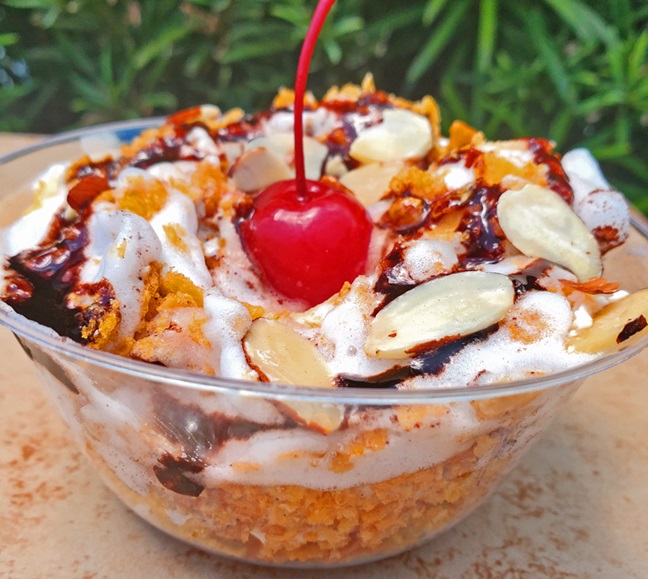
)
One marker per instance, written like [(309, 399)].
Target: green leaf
[(163, 43), (90, 93), (35, 4), (333, 51), (432, 9), (605, 152), (296, 15), (207, 3), (454, 101), (616, 59), (486, 37), (583, 20), (636, 166), (598, 102), (160, 100), (11, 94), (74, 55), (561, 125), (443, 34), (252, 31), (105, 67), (196, 61), (49, 18), (487, 34), (253, 50), (553, 61), (637, 65), (622, 14), (399, 19), (9, 38), (347, 26)]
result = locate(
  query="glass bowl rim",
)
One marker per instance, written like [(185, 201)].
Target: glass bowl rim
[(45, 337)]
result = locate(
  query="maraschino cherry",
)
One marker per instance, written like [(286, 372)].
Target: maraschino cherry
[(307, 237)]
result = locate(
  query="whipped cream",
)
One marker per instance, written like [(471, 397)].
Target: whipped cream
[(158, 254)]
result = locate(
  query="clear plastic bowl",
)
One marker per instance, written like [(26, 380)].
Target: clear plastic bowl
[(214, 463)]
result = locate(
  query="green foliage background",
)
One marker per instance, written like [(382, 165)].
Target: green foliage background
[(574, 71)]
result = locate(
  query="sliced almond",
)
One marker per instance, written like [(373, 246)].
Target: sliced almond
[(283, 146), (617, 325), (370, 182), (489, 408), (539, 223), (232, 150), (402, 135), (452, 306), (283, 355), (258, 168), (324, 417), (412, 417)]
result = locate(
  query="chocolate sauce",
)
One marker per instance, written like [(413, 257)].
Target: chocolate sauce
[(339, 142), (631, 328), (434, 361), (249, 127), (199, 433), (441, 205), (469, 156), (528, 279), (165, 149), (393, 280), (407, 215), (87, 179), (556, 177), (46, 275), (172, 474), (355, 117), (389, 379), (430, 362), (371, 101), (484, 236), (608, 237), (410, 214)]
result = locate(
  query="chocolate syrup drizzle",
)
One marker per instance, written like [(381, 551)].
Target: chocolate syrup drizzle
[(483, 235), (44, 276), (198, 435), (556, 177), (431, 361), (356, 116)]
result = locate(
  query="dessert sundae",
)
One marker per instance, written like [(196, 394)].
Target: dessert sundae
[(414, 261), (391, 260)]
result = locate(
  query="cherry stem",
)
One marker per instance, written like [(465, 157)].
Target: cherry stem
[(317, 22)]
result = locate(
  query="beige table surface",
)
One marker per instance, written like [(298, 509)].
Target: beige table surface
[(577, 505)]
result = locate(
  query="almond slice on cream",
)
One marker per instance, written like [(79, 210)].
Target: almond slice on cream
[(538, 222), (617, 325), (370, 182), (324, 417), (451, 306), (283, 355), (282, 145), (257, 169), (402, 135)]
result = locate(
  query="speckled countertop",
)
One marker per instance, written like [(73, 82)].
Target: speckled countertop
[(576, 506)]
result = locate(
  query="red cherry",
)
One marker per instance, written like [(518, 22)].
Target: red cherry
[(307, 246), (306, 237)]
